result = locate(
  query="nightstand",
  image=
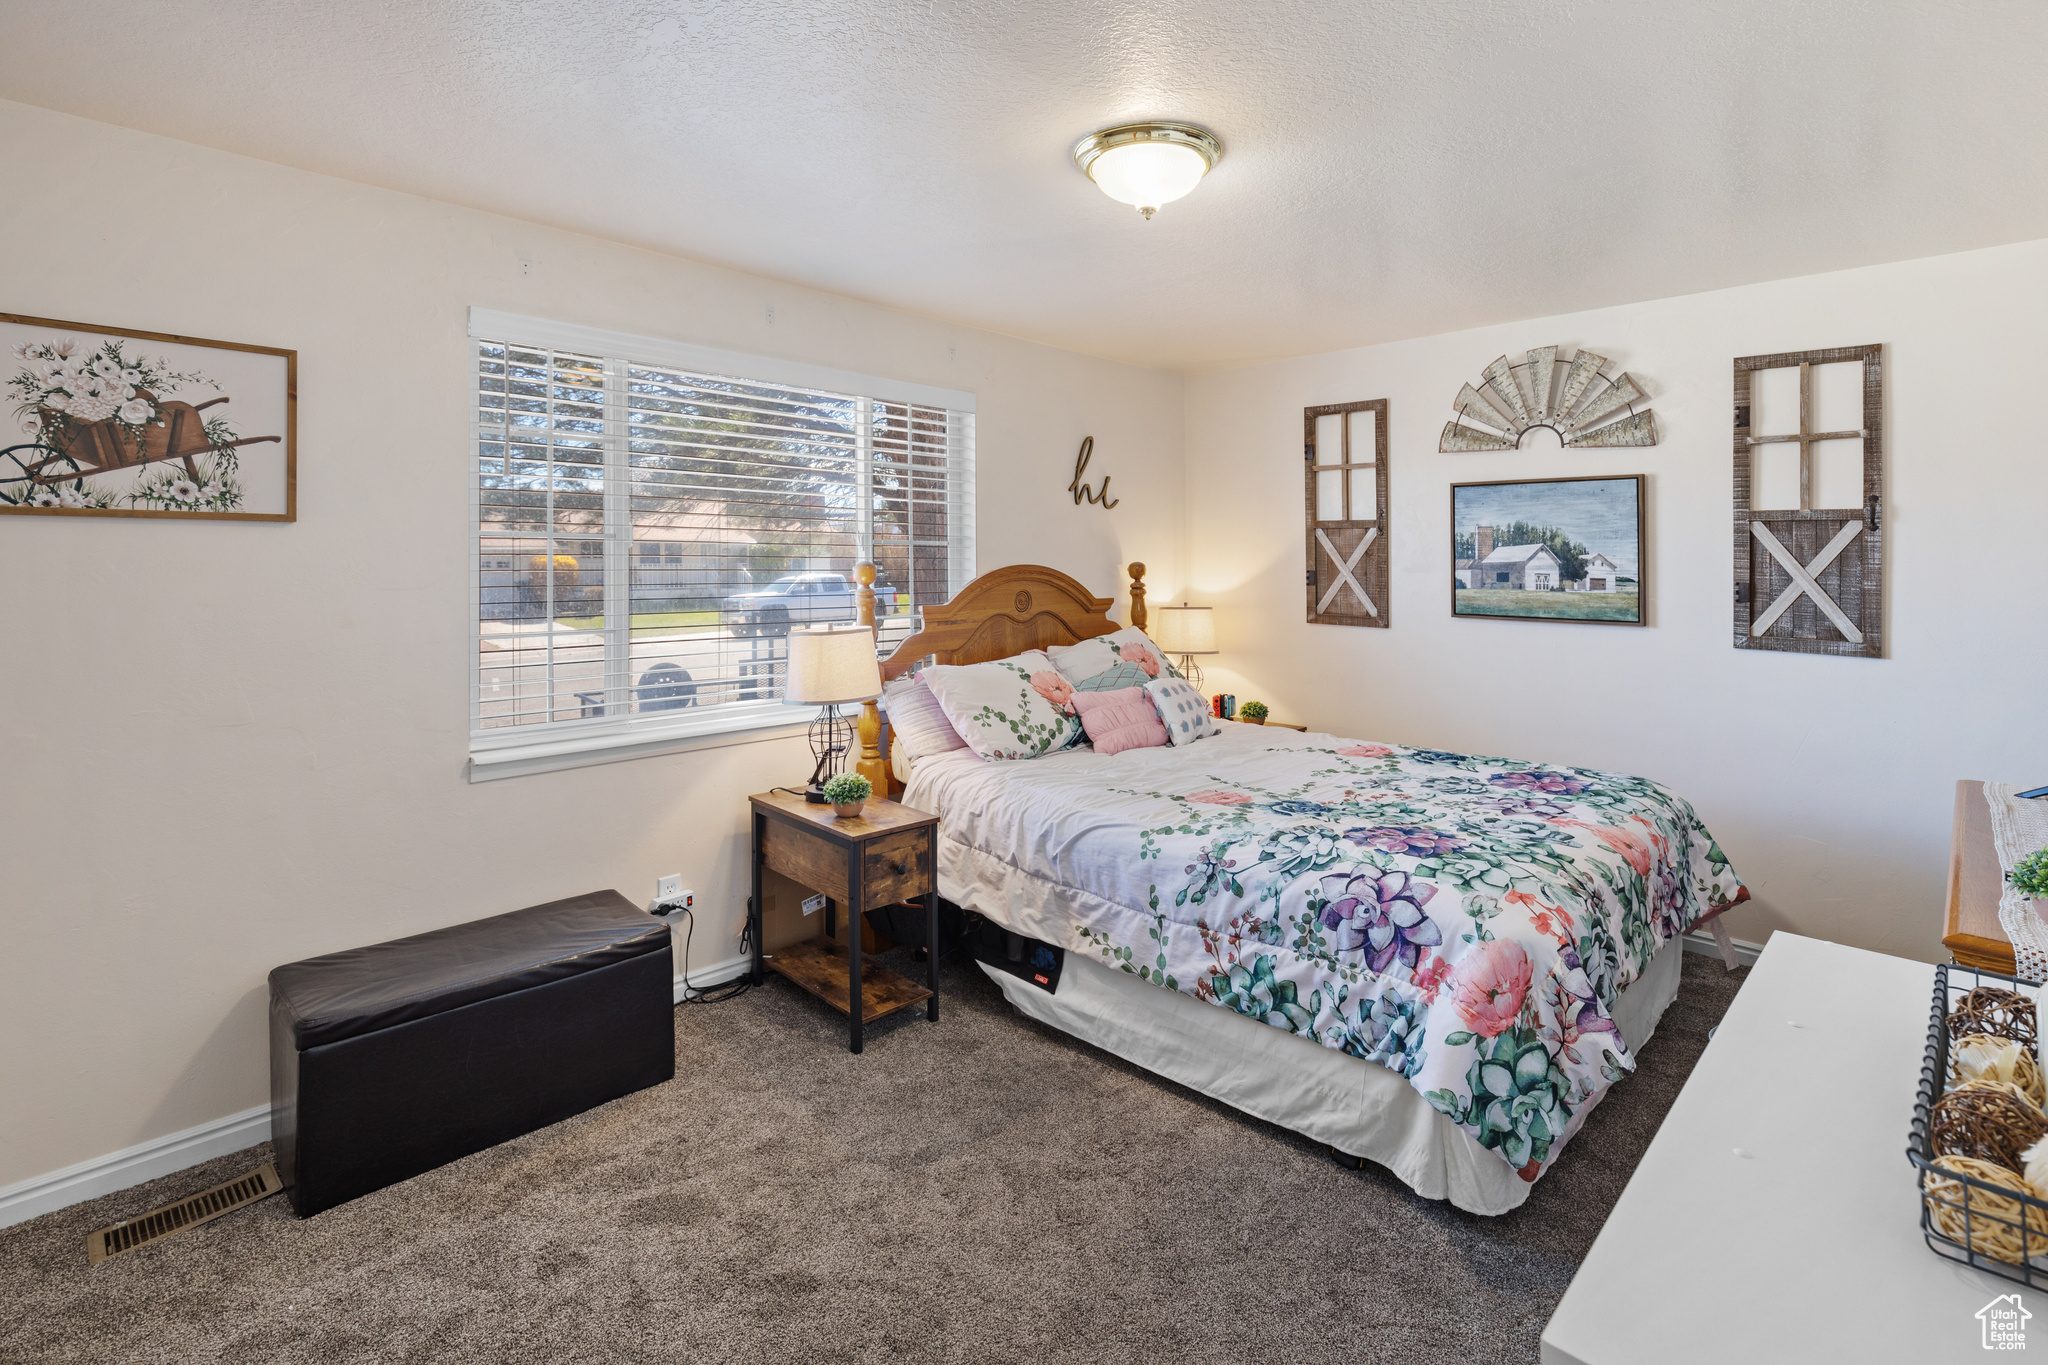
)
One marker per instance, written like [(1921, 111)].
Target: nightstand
[(879, 857), (1275, 724)]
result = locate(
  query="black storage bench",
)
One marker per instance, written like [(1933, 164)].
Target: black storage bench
[(391, 1060)]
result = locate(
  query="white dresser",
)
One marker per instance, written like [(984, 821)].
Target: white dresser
[(1775, 1216)]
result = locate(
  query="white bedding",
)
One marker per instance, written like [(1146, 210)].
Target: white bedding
[(1562, 885)]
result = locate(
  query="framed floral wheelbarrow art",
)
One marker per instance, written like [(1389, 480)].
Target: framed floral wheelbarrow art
[(107, 422)]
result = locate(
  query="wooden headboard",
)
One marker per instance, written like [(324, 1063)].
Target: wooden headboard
[(1005, 611)]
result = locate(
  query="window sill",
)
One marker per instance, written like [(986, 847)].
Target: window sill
[(494, 753)]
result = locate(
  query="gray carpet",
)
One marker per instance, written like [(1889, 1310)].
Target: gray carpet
[(982, 1189)]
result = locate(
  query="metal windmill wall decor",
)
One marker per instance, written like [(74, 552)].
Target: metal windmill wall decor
[(1575, 400)]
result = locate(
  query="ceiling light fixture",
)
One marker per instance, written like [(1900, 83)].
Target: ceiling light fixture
[(1148, 164)]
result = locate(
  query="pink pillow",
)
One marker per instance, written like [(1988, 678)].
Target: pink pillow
[(1119, 720)]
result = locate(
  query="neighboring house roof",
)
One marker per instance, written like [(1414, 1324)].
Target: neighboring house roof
[(1516, 554), (701, 522), (1597, 558)]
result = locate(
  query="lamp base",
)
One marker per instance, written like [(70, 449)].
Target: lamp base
[(1189, 671), (831, 735)]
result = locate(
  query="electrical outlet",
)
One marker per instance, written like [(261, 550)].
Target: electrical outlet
[(669, 889)]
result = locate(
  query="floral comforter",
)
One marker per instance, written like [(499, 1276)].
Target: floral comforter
[(1462, 920)]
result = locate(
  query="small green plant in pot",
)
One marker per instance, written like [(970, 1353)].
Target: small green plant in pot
[(2030, 875), (847, 793), (1253, 711)]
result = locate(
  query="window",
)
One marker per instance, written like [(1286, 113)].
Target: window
[(652, 519)]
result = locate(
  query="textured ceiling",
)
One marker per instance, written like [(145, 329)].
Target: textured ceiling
[(1389, 169)]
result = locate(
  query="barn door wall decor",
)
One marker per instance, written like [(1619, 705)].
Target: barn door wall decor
[(1344, 454), (1810, 580)]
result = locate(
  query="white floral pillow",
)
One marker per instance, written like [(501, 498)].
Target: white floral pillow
[(1078, 663), (1184, 710), (1012, 708)]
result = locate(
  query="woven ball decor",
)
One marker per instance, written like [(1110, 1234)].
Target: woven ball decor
[(1989, 1120), (1982, 1057), (2001, 1013), (1991, 1226)]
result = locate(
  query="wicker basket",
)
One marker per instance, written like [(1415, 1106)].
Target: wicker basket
[(1972, 1211)]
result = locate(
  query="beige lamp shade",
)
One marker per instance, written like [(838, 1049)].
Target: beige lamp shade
[(1185, 629), (832, 664)]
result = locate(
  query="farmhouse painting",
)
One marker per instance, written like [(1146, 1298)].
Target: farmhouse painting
[(1548, 550), (106, 422)]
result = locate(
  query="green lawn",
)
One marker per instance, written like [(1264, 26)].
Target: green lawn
[(1559, 606), (650, 621)]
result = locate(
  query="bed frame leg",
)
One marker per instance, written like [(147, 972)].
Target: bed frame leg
[(1346, 1160), (1724, 943)]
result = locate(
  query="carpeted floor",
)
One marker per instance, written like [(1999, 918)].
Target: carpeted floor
[(983, 1189)]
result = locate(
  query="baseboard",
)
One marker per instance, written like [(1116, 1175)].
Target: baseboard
[(1699, 941), (43, 1194), (713, 974)]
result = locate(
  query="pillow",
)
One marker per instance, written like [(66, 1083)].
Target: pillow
[(1184, 710), (1091, 658), (1119, 720), (917, 723), (1118, 676), (1012, 708)]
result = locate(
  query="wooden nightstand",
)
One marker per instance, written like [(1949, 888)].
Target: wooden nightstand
[(879, 857), (1276, 724)]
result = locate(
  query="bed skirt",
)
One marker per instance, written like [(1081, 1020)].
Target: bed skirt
[(1358, 1107)]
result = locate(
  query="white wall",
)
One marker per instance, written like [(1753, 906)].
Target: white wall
[(1828, 781), (223, 747)]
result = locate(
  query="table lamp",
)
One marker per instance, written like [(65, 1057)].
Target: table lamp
[(830, 666), (1186, 631)]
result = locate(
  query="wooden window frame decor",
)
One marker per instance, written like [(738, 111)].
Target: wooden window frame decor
[(1584, 408), (1811, 580), (98, 426), (1348, 559)]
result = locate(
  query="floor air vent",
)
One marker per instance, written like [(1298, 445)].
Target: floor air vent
[(203, 1207)]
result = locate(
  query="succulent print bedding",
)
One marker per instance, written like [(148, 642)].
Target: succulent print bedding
[(1461, 920)]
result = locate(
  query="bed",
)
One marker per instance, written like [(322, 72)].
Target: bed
[(1439, 962)]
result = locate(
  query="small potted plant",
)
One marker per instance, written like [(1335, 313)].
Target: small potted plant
[(1252, 712), (848, 792), (2029, 875)]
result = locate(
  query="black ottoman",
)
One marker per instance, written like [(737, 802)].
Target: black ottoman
[(394, 1059)]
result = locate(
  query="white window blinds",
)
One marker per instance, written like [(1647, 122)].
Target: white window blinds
[(648, 531)]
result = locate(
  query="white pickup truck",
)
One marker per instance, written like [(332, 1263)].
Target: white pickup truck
[(803, 599)]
